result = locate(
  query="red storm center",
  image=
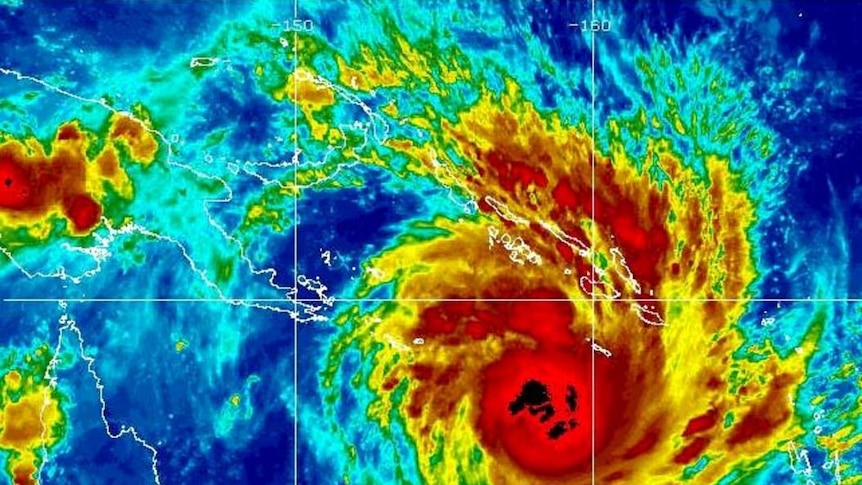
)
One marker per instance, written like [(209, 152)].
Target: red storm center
[(537, 405)]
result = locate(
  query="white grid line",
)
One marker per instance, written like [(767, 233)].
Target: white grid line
[(295, 289), (592, 247), (430, 300)]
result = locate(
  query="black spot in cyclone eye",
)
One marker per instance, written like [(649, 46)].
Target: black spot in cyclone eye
[(558, 429), (561, 427), (533, 396), (571, 398), (533, 393)]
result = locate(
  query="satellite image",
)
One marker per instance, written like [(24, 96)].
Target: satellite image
[(466, 242)]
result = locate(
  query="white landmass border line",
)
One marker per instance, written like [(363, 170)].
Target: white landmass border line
[(68, 325), (101, 252)]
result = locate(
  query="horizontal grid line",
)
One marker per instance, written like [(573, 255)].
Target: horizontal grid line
[(349, 300)]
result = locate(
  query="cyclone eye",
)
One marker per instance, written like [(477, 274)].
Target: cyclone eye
[(536, 399)]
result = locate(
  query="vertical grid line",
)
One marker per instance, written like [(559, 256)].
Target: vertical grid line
[(593, 246), (295, 251)]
